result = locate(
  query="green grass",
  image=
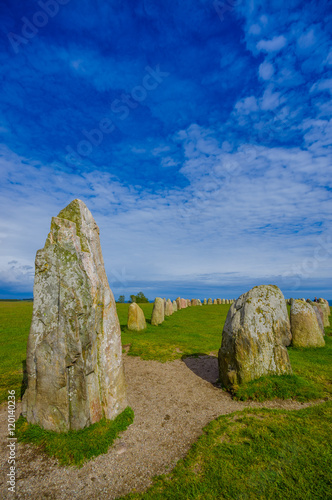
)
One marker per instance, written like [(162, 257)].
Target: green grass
[(75, 447), (279, 387), (255, 454), (15, 318), (195, 330)]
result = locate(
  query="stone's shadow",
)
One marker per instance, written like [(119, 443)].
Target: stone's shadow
[(24, 383), (204, 366)]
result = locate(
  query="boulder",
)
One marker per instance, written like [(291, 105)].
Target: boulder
[(175, 306), (254, 337), (209, 301), (158, 312), (178, 303), (326, 311), (305, 327), (74, 353), (319, 314), (136, 319), (183, 303), (169, 308)]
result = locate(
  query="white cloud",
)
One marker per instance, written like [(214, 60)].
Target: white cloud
[(266, 70), (274, 45)]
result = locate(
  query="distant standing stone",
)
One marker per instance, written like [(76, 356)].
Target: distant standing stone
[(326, 311), (205, 302), (194, 302), (254, 337), (158, 312), (223, 301), (215, 301), (305, 327), (175, 306), (183, 303), (136, 319), (209, 301), (218, 301), (169, 308), (74, 352), (188, 303)]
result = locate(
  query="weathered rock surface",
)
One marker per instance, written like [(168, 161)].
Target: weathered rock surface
[(188, 302), (215, 301), (183, 303), (175, 306), (305, 327), (254, 336), (194, 302), (209, 301), (178, 303), (158, 312), (326, 310), (223, 301), (74, 353), (136, 319), (319, 314), (218, 301), (205, 302), (169, 308)]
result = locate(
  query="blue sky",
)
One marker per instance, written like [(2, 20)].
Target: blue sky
[(198, 134)]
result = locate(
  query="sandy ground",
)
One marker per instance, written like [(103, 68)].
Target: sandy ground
[(172, 403)]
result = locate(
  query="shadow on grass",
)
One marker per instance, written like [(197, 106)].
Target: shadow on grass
[(24, 383), (203, 365)]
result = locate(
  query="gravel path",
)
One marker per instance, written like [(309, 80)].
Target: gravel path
[(172, 403)]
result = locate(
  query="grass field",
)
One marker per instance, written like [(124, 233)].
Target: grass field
[(252, 455), (190, 331)]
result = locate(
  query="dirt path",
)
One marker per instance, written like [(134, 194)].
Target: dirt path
[(172, 403)]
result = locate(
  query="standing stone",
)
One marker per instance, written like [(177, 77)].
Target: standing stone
[(183, 303), (326, 311), (199, 303), (223, 301), (74, 353), (169, 308), (209, 301), (254, 336), (319, 314), (205, 302), (194, 302), (175, 306), (178, 303), (218, 301), (305, 327), (215, 301), (188, 303), (158, 312), (136, 319)]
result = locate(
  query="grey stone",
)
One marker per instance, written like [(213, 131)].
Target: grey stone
[(74, 352), (255, 333)]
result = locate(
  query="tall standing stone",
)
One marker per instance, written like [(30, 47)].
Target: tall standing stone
[(175, 306), (169, 308), (74, 353), (158, 312), (136, 319), (254, 337)]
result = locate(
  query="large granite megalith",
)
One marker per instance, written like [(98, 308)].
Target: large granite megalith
[(256, 330), (74, 354)]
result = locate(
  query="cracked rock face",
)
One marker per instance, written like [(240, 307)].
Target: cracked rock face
[(74, 354), (255, 334)]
